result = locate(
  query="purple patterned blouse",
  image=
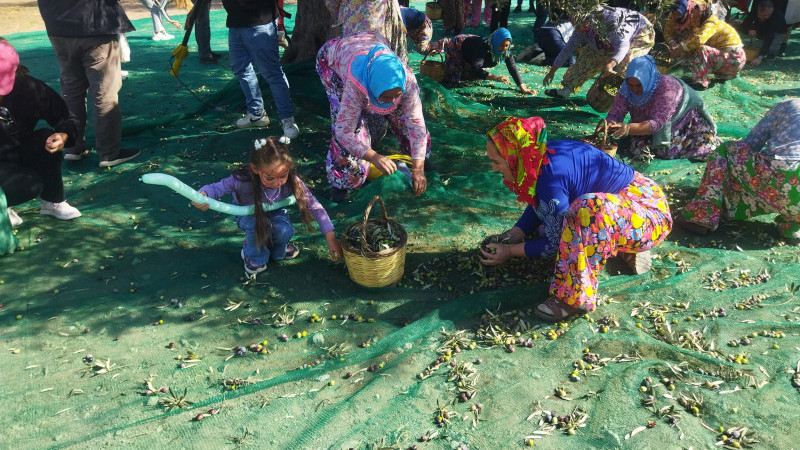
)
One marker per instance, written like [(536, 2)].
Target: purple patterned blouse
[(658, 111)]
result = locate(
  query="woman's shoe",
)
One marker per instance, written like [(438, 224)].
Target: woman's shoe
[(690, 226), (554, 310)]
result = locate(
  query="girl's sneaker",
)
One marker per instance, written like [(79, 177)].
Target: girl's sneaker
[(14, 218), (61, 210), (250, 268), (291, 251)]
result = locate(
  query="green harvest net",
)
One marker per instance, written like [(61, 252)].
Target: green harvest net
[(102, 285)]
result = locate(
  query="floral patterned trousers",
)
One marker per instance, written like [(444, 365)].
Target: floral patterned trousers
[(724, 65), (597, 227), (739, 184)]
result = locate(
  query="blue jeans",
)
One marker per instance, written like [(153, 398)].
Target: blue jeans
[(202, 30), (259, 45), (282, 232)]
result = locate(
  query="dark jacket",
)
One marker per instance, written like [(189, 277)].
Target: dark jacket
[(477, 53), (765, 31), (249, 13), (82, 18), (28, 102)]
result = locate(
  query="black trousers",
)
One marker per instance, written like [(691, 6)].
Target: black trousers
[(30, 171), (500, 18)]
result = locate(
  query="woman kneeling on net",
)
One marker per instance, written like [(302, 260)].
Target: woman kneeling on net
[(756, 176), (466, 57), (583, 206), (668, 118)]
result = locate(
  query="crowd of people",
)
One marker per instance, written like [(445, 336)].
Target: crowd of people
[(583, 206)]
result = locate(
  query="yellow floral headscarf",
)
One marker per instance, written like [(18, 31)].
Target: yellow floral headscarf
[(523, 145)]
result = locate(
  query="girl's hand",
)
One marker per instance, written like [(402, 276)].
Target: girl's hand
[(201, 206), (55, 142), (334, 246), (498, 254), (549, 77), (176, 24)]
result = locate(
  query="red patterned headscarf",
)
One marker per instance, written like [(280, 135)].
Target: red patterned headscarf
[(523, 145)]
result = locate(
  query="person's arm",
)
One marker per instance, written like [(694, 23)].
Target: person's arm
[(216, 190), (618, 111), (323, 221), (669, 27), (708, 29), (528, 222), (412, 117), (351, 106), (569, 49), (512, 70), (54, 111)]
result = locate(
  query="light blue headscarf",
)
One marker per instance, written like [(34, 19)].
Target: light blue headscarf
[(495, 39), (645, 70), (379, 74)]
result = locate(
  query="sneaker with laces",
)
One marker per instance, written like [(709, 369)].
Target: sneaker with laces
[(290, 128), (60, 210), (73, 154), (14, 218), (125, 155), (250, 268), (253, 121)]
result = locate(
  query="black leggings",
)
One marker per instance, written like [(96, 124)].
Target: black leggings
[(31, 171), (500, 18)]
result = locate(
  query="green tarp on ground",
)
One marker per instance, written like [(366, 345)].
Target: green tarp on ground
[(102, 285)]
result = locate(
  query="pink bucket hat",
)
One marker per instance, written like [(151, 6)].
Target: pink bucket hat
[(9, 60)]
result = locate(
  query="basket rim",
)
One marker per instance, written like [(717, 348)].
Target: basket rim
[(347, 247)]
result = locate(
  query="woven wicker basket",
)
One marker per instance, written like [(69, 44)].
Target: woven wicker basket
[(600, 139), (751, 52), (601, 95), (433, 10), (375, 269), (433, 69)]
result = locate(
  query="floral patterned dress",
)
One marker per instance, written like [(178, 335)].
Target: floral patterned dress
[(379, 16), (715, 48), (757, 176), (692, 137), (353, 125)]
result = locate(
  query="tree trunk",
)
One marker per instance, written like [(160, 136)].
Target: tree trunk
[(312, 28)]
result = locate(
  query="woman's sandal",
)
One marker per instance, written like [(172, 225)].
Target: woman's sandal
[(554, 310)]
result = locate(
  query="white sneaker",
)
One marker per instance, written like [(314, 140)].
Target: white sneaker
[(15, 219), (124, 74), (253, 121), (162, 36), (62, 210), (290, 128)]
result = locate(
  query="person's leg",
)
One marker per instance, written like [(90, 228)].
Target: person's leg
[(242, 67), (155, 15), (518, 9), (256, 256), (633, 220), (728, 65), (262, 43), (202, 31), (19, 182), (282, 232), (503, 21), (700, 64), (46, 165), (475, 16), (587, 65), (102, 65), (494, 24), (774, 48), (487, 11), (74, 84)]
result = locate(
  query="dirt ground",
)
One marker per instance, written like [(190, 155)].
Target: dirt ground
[(17, 16)]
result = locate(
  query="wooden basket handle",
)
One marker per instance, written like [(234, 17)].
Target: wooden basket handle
[(605, 131), (441, 56), (366, 218)]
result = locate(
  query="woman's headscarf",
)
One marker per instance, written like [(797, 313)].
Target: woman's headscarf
[(495, 40), (378, 73), (645, 70), (523, 145)]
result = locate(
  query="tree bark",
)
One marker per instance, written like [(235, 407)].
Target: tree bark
[(312, 28)]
